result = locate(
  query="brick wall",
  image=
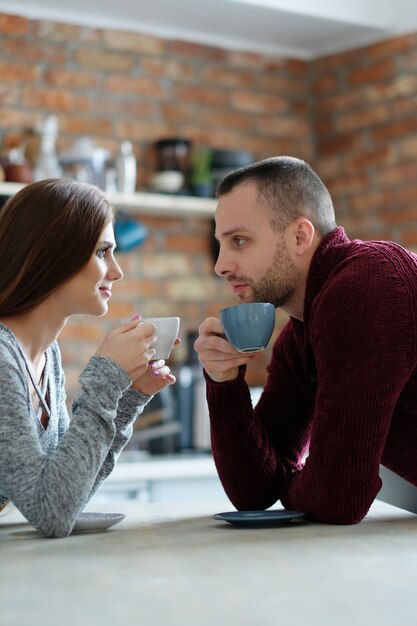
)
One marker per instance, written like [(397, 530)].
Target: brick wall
[(365, 124), (352, 115)]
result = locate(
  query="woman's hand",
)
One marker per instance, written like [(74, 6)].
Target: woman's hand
[(130, 345), (157, 376)]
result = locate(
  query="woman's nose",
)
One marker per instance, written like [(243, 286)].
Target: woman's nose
[(115, 271)]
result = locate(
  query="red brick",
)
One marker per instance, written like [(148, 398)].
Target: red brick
[(333, 62), (66, 33), (226, 119), (379, 71), (133, 289), (8, 95), (330, 167), (298, 68), (409, 60), (367, 118), (391, 46), (176, 112), (398, 175), (394, 130), (348, 185), (284, 126), (81, 331), (215, 137), (291, 86), (139, 85), (400, 87), (141, 130), (200, 95), (407, 148), (339, 144), (195, 51), (403, 107), (120, 310), (338, 102), (377, 200), (325, 84), (254, 61), (13, 118), (133, 41), (251, 102), (114, 105), (182, 243), (85, 125), (174, 69), (18, 73), (35, 52), (409, 238), (407, 195), (108, 61), (166, 264), (231, 78), (70, 79), (398, 216), (14, 25), (370, 159), (55, 100)]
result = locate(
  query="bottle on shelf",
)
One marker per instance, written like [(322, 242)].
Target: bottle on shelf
[(47, 164), (126, 169)]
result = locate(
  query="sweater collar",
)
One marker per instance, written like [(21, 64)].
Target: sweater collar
[(331, 250)]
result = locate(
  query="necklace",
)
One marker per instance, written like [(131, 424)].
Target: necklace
[(39, 392)]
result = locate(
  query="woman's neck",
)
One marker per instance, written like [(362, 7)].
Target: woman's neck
[(35, 331)]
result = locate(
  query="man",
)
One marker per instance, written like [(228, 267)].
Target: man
[(341, 393)]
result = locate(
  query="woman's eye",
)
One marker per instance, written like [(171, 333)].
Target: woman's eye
[(101, 253), (239, 241)]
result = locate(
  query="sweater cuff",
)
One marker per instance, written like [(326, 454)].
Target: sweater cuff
[(102, 369), (238, 379)]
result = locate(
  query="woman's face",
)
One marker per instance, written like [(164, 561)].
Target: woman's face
[(89, 291)]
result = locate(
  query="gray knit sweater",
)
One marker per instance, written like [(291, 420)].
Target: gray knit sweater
[(50, 474)]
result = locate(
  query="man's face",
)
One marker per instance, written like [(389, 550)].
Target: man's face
[(252, 257)]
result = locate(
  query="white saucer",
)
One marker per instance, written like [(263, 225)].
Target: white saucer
[(95, 522)]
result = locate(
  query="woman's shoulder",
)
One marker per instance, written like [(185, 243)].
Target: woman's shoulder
[(9, 349), (54, 352)]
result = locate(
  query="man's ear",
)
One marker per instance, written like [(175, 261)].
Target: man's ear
[(302, 236)]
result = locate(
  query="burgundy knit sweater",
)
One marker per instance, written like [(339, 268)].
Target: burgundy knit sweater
[(342, 387)]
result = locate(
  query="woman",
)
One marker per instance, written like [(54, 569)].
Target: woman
[(56, 255)]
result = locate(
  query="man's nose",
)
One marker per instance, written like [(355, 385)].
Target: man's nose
[(223, 265)]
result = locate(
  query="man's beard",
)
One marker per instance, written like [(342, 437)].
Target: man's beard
[(279, 282)]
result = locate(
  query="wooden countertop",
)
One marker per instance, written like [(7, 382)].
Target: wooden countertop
[(172, 564)]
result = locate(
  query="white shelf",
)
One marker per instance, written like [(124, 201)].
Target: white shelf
[(8, 189), (147, 203)]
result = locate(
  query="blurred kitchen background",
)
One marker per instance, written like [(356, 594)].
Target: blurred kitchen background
[(162, 99)]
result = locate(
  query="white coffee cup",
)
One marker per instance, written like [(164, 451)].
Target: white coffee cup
[(167, 330)]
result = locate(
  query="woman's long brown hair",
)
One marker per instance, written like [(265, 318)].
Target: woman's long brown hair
[(48, 232)]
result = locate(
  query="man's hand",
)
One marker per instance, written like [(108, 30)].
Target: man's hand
[(218, 357)]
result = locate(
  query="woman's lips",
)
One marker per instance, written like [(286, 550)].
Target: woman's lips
[(106, 291)]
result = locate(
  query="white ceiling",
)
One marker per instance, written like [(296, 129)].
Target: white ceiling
[(294, 28)]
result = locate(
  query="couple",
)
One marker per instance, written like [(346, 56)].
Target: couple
[(342, 381)]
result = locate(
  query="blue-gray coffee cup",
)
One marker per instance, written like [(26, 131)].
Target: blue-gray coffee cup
[(249, 326)]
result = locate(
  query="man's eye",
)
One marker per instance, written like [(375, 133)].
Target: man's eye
[(239, 241)]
